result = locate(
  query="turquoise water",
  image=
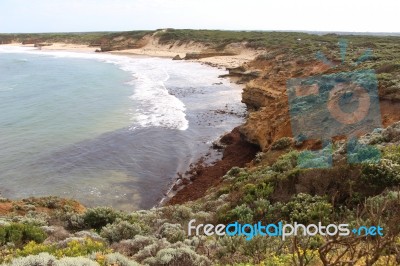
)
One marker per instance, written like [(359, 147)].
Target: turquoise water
[(57, 103), (103, 129)]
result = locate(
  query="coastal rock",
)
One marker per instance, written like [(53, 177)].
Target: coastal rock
[(193, 56), (39, 45), (244, 75), (177, 57)]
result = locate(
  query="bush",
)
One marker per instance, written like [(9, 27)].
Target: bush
[(80, 261), (34, 218), (20, 234), (259, 156), (381, 175), (43, 259), (286, 162), (234, 171), (305, 209), (254, 192), (172, 232), (120, 230), (392, 153), (74, 248), (119, 259), (74, 221), (152, 249), (359, 153), (178, 257), (281, 144), (130, 247), (316, 159), (261, 208), (98, 217), (241, 213)]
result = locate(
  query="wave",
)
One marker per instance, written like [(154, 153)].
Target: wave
[(155, 107)]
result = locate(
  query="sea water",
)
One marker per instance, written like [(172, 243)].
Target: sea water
[(103, 129)]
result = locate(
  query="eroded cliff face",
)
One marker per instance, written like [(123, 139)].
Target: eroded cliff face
[(266, 97)]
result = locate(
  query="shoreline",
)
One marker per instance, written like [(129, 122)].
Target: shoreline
[(200, 175), (236, 151), (240, 56)]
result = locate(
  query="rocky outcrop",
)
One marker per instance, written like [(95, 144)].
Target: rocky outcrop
[(266, 98), (242, 74), (177, 57), (256, 96), (194, 56)]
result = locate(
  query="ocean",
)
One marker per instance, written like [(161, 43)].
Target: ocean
[(106, 130)]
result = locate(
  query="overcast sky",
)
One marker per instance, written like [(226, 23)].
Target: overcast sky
[(121, 15)]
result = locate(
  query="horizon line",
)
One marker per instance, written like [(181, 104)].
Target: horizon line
[(238, 30)]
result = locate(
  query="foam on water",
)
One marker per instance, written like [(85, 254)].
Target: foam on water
[(156, 106), (64, 128)]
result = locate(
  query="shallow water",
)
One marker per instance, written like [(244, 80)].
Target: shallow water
[(104, 129)]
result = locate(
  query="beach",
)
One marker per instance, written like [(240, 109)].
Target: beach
[(153, 49)]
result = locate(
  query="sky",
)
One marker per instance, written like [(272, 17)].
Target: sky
[(29, 16)]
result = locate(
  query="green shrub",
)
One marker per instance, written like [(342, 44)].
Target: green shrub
[(178, 256), (261, 208), (172, 232), (74, 248), (281, 144), (181, 213), (34, 218), (230, 244), (130, 247), (177, 213), (20, 234), (257, 246), (45, 259), (234, 171), (392, 153), (305, 209), (120, 260), (74, 221), (254, 192), (79, 261), (42, 259), (286, 162), (382, 174), (120, 230), (100, 216), (152, 249), (241, 213)]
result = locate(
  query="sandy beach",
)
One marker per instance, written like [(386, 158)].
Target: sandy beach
[(241, 55)]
